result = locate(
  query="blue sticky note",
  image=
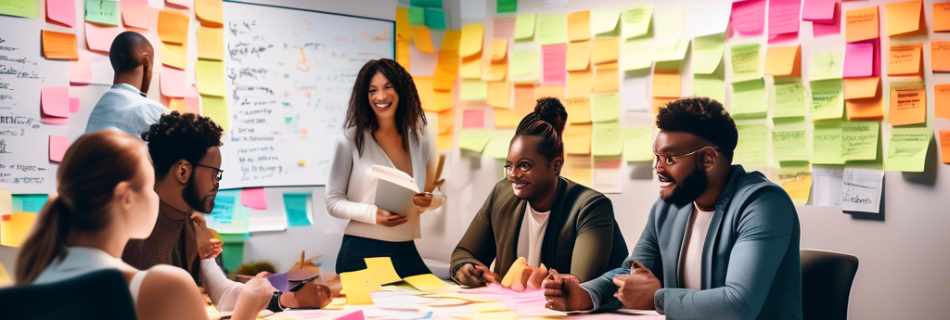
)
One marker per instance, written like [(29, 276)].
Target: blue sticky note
[(295, 205), (435, 19), (29, 202)]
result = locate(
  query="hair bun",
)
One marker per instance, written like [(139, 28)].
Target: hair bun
[(551, 110)]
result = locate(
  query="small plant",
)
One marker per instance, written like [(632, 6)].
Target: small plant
[(252, 268)]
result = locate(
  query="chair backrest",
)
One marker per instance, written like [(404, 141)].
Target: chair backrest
[(826, 283), (102, 294)]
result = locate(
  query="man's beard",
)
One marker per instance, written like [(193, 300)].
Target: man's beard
[(690, 189), (204, 204)]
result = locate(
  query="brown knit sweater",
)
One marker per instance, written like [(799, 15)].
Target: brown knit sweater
[(172, 242)]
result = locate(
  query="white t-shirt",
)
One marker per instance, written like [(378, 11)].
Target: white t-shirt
[(83, 260), (532, 235), (692, 264)]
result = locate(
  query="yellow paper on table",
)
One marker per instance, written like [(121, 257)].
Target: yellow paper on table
[(211, 43), (472, 37), (499, 94), (666, 85), (940, 56), (908, 104), (906, 60), (635, 21), (825, 65), (942, 101), (402, 53), (578, 109), (638, 143), (173, 55), (862, 24), (784, 61), (552, 29), (578, 56), (907, 150), (827, 99), (423, 39), (6, 202), (605, 50), (945, 146), (745, 62), (525, 67), (60, 46), (605, 107), (607, 139), (209, 76), (827, 143), (577, 138), (524, 26), (499, 50), (604, 22), (474, 90), (357, 288), (608, 77), (707, 53), (580, 83), (210, 13), (215, 108), (514, 273), (941, 18), (403, 28), (861, 88), (749, 99), (578, 26), (905, 18), (426, 282), (382, 270), (172, 27), (787, 99), (15, 227)]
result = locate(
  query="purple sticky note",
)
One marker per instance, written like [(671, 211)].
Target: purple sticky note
[(279, 281), (73, 105), (254, 198), (859, 59), (55, 101)]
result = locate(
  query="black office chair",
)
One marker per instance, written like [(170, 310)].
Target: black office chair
[(102, 294), (826, 283)]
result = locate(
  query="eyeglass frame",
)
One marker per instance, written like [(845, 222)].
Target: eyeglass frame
[(218, 176), (656, 159)]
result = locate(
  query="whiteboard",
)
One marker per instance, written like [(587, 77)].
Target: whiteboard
[(289, 75)]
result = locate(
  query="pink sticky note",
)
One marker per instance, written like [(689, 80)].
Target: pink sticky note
[(62, 12), (748, 17), (192, 100), (181, 3), (55, 101), (825, 29), (254, 198), (859, 59), (80, 71), (73, 105), (784, 19), (358, 315), (473, 119), (504, 28), (555, 64), (140, 16), (57, 147), (99, 38), (819, 10), (172, 82), (54, 120), (134, 3)]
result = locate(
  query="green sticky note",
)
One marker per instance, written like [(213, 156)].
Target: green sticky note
[(552, 29), (745, 62), (232, 255), (607, 139), (297, 208), (825, 65), (29, 202), (827, 99), (524, 26), (752, 148), (637, 55), (637, 144), (707, 85), (20, 8), (790, 144), (435, 18), (671, 50), (417, 16), (605, 23), (525, 67), (102, 12), (605, 107), (474, 140), (426, 3), (505, 6), (787, 99), (474, 90), (497, 147), (209, 76), (635, 21), (707, 52), (827, 143), (907, 149), (859, 140), (749, 99)]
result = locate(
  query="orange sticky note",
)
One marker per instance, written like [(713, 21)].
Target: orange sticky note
[(172, 27), (442, 100), (861, 88), (578, 109), (578, 56), (174, 55), (905, 60), (15, 227), (211, 43), (577, 138), (499, 94), (499, 50), (497, 71), (905, 18), (942, 101), (451, 40), (578, 26), (862, 24), (59, 46), (423, 39), (945, 145), (57, 147), (446, 122), (666, 85), (608, 77), (865, 109), (510, 118), (446, 71), (524, 96), (580, 83), (659, 103), (942, 17), (940, 56), (424, 87), (140, 16), (908, 107), (604, 50), (176, 104), (550, 91), (784, 61), (402, 53), (210, 13), (471, 67), (99, 38)]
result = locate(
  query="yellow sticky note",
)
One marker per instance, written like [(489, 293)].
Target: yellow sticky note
[(473, 90), (607, 139), (578, 109), (905, 18), (798, 189), (787, 99), (578, 168), (499, 94), (638, 55), (578, 56), (791, 144), (752, 147), (499, 49), (908, 104), (551, 91), (524, 96), (827, 143), (580, 83), (862, 24), (604, 50), (605, 107), (497, 147), (402, 53), (426, 282), (172, 27), (472, 36), (173, 55), (403, 28), (578, 26), (210, 13), (666, 85), (210, 43), (382, 270), (552, 29), (941, 17), (176, 104), (451, 40), (577, 138), (215, 108), (15, 227), (510, 118), (6, 202), (608, 77), (745, 62), (524, 26), (446, 71), (209, 76), (905, 60), (423, 39), (638, 142), (784, 61), (356, 285)]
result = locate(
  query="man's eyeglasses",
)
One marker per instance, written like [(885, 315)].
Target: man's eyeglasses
[(219, 174), (671, 160)]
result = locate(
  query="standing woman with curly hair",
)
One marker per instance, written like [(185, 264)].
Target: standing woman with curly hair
[(385, 126)]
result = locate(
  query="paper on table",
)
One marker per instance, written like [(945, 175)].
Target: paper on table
[(499, 94), (607, 139), (20, 8), (552, 29), (99, 38), (382, 270), (473, 90), (905, 60), (215, 108), (745, 62), (752, 148), (790, 143), (941, 19), (635, 21), (784, 61), (860, 140), (59, 46), (711, 86), (435, 18), (57, 147), (578, 109), (826, 186), (666, 85), (554, 64), (905, 18), (423, 39), (710, 17), (425, 282), (605, 50), (818, 10), (862, 24), (942, 101), (578, 55), (254, 198), (707, 53), (172, 82), (524, 26), (908, 104), (907, 150), (827, 143), (210, 13), (638, 142), (605, 107), (356, 284), (944, 145), (172, 27), (608, 77), (578, 26), (102, 12), (604, 22), (749, 99), (827, 99), (61, 11), (832, 27), (577, 138), (825, 65), (748, 17), (940, 56), (784, 18), (787, 99), (861, 189), (580, 83), (15, 227)]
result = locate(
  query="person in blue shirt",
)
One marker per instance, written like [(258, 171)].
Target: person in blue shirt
[(125, 106), (719, 243)]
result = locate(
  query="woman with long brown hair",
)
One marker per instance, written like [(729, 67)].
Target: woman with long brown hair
[(105, 197), (384, 126)]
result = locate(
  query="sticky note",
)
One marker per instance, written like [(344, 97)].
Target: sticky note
[(210, 77), (637, 143), (605, 107), (172, 27), (908, 104), (745, 62), (499, 94), (707, 53), (15, 227), (578, 109), (473, 90), (99, 38), (861, 88), (382, 270), (73, 105), (818, 10), (942, 101), (356, 285), (827, 143), (254, 198), (451, 40), (711, 86), (426, 282), (907, 150), (435, 18), (554, 64), (524, 96), (210, 44), (749, 99), (551, 91), (403, 27), (798, 186), (55, 101), (102, 12), (5, 279), (635, 21), (174, 55), (215, 108), (860, 140), (61, 11), (552, 29), (578, 55), (905, 18), (504, 27), (945, 145), (578, 26), (666, 85), (608, 77), (832, 27), (637, 55), (748, 17), (497, 147), (941, 20), (605, 50), (607, 139), (57, 147), (905, 60), (59, 46), (827, 99), (402, 53), (863, 100), (210, 13), (784, 19), (577, 138), (790, 145), (862, 24), (825, 65), (6, 202), (604, 22), (505, 6), (524, 67), (670, 50), (184, 4), (80, 70), (423, 39), (471, 42), (710, 17), (787, 99), (524, 26), (580, 83), (784, 61), (417, 16), (447, 70), (473, 119), (426, 3), (172, 82), (940, 56), (859, 59), (140, 16), (752, 148), (29, 202), (20, 8)]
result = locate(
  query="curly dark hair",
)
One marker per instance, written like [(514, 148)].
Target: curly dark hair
[(410, 119), (180, 136), (703, 117), (546, 122)]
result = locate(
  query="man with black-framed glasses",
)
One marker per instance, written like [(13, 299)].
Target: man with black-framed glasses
[(720, 243)]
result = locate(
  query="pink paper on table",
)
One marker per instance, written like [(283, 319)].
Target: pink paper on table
[(555, 64), (62, 12), (172, 82), (99, 38), (192, 100), (826, 29), (859, 59), (819, 10), (73, 105), (254, 198), (784, 20), (140, 16), (181, 3), (80, 71), (473, 119), (57, 147), (55, 101), (748, 17), (504, 28), (358, 315)]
